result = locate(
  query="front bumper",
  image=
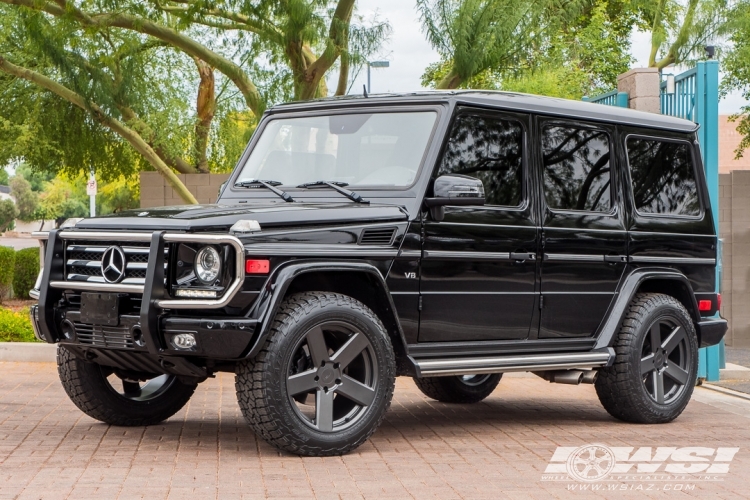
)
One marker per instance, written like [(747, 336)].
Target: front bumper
[(141, 338)]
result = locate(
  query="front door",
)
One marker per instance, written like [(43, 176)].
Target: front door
[(478, 271), (584, 241)]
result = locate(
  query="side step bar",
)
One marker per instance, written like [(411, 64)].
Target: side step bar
[(500, 364)]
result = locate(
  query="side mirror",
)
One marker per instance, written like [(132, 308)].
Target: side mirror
[(454, 190)]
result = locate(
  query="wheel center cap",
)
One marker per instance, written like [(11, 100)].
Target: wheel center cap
[(326, 375), (660, 359)]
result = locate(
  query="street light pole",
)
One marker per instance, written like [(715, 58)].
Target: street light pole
[(375, 64)]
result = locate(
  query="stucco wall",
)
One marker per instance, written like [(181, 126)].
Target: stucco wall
[(155, 192)]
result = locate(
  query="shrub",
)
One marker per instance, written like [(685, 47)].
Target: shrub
[(8, 214), (26, 270), (7, 259), (16, 326)]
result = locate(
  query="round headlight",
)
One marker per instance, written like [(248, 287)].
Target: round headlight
[(207, 265)]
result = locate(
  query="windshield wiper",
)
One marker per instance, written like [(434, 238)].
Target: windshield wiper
[(338, 186), (268, 185)]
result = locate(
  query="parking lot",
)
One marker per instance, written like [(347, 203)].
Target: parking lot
[(500, 448)]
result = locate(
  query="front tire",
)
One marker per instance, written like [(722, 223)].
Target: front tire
[(129, 400), (461, 389), (656, 363), (324, 379)]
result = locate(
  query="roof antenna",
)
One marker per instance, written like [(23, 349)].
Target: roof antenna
[(364, 89)]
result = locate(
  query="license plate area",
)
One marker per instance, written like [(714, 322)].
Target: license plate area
[(100, 308)]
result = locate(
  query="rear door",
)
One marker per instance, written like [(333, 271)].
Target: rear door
[(584, 237), (478, 271)]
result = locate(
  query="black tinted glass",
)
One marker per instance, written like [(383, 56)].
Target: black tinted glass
[(576, 168), (663, 177), (489, 149)]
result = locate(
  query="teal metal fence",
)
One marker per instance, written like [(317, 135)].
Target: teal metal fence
[(613, 98), (696, 98)]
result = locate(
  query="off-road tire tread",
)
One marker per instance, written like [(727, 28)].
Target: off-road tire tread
[(618, 389), (449, 389), (252, 387), (78, 378)]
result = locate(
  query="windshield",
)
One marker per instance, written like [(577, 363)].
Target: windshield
[(363, 149)]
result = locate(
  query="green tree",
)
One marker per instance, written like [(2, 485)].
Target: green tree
[(26, 199), (94, 82), (8, 214), (736, 66), (4, 178)]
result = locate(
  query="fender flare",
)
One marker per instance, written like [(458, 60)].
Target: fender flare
[(607, 332), (278, 283)]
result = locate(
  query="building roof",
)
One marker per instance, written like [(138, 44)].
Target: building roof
[(506, 100), (4, 189)]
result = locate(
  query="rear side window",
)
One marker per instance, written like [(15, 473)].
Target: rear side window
[(576, 168), (490, 149), (663, 177)]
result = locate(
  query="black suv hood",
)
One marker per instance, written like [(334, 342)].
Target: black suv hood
[(221, 217)]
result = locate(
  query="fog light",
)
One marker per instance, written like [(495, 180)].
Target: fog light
[(195, 294), (184, 341)]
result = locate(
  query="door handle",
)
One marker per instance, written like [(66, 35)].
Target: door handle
[(522, 256), (615, 259)]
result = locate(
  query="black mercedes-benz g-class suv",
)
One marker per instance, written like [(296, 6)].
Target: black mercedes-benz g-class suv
[(449, 236)]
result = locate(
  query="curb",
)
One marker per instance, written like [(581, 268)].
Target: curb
[(728, 392), (28, 352)]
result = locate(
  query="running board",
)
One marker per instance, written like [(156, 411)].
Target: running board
[(500, 364)]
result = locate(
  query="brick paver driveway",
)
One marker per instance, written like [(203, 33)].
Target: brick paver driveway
[(499, 448)]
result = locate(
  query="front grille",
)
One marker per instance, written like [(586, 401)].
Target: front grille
[(83, 261), (104, 336)]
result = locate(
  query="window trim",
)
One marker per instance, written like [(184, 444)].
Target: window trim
[(701, 214), (501, 114), (613, 211)]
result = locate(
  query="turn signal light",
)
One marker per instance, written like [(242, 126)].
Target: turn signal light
[(704, 305), (257, 266), (718, 301)]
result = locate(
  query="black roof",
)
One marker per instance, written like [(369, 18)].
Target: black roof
[(4, 189), (510, 101)]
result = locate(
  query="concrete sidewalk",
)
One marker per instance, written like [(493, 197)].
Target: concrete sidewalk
[(496, 449)]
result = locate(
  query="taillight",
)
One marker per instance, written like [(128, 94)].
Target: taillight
[(257, 266), (704, 305)]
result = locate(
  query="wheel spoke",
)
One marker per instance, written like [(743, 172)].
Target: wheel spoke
[(324, 410), (356, 391), (316, 342), (655, 337), (131, 388), (674, 339), (677, 374), (658, 387), (647, 364), (353, 347), (301, 382)]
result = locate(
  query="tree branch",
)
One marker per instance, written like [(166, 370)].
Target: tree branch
[(100, 116)]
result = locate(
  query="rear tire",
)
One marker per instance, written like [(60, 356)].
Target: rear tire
[(656, 362), (94, 390), (462, 389), (324, 378)]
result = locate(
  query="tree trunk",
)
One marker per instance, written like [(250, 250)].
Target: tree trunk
[(206, 107), (450, 81)]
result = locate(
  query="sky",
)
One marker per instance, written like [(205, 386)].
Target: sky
[(409, 53)]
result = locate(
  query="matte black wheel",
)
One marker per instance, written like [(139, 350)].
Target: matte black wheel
[(324, 379), (656, 362), (120, 398), (459, 389)]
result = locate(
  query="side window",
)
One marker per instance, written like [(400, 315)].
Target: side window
[(576, 168), (663, 177), (489, 149)]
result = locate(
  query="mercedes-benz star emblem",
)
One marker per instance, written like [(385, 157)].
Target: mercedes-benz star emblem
[(113, 264)]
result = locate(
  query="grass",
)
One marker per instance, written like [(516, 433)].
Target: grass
[(15, 326)]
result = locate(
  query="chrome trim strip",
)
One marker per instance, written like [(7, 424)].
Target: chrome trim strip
[(573, 257), (479, 293), (34, 294), (232, 289), (409, 254), (85, 278), (501, 364), (96, 287), (671, 260), (40, 235), (83, 263), (450, 255), (305, 250), (102, 249)]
